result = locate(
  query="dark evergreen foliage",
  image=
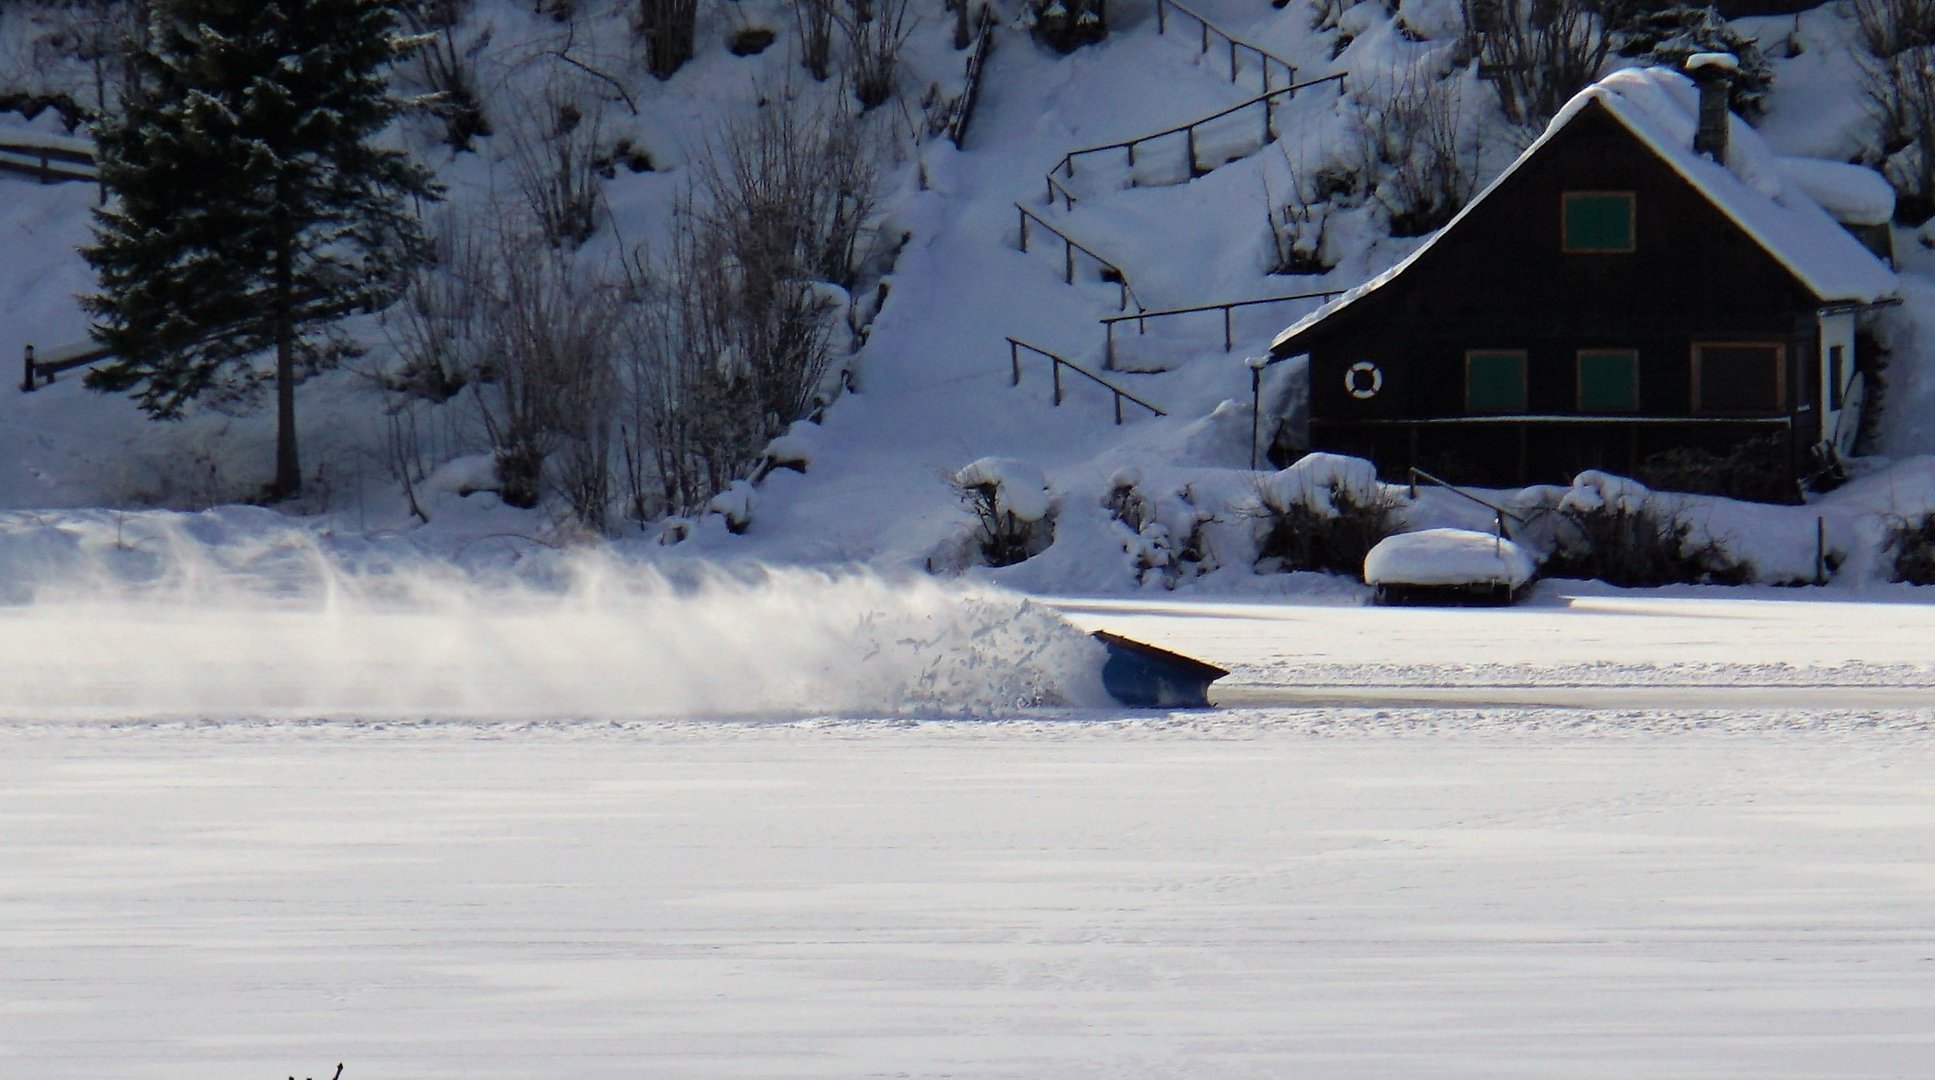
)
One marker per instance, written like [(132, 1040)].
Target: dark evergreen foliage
[(1667, 36), (251, 205)]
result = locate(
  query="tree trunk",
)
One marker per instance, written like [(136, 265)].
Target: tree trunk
[(288, 467)]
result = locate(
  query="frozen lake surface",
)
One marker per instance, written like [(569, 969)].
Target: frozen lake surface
[(1406, 888)]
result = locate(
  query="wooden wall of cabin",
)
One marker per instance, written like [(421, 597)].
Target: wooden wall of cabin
[(1502, 281)]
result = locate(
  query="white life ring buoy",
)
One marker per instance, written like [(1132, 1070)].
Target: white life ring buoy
[(1363, 380)]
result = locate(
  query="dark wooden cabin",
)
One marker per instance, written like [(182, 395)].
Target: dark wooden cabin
[(1616, 300)]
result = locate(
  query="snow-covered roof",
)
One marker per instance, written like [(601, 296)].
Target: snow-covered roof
[(1757, 190)]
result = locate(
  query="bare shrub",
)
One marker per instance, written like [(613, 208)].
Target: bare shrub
[(670, 29), (446, 70), (815, 21), (1911, 549), (1638, 546), (1756, 469), (1538, 53), (875, 31), (1014, 519), (556, 157), (104, 35), (733, 339), (1897, 39), (1412, 149)]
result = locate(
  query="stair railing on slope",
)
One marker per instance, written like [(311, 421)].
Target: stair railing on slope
[(47, 160), (1270, 61), (1108, 270), (977, 64), (1066, 166), (1141, 318), (36, 371), (1057, 363)]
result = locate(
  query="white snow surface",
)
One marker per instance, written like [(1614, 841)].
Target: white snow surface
[(1853, 194), (1448, 557), (1590, 865)]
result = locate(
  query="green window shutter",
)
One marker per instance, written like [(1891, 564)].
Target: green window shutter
[(1495, 382), (1598, 221), (1608, 381)]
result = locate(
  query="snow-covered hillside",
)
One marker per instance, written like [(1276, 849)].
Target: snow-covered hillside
[(931, 385)]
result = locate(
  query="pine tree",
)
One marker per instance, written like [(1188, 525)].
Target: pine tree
[(252, 207)]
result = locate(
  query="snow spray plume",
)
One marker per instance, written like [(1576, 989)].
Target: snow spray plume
[(231, 615)]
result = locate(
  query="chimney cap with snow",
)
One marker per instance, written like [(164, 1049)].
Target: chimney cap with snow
[(1711, 65)]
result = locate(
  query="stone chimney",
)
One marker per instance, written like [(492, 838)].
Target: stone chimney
[(1713, 73)]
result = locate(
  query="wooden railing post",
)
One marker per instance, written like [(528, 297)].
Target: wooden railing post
[(1068, 261), (27, 384), (1055, 362), (1162, 20), (1118, 408), (1024, 228), (1232, 61), (1014, 361), (1108, 349), (1204, 51), (1228, 341), (1194, 169)]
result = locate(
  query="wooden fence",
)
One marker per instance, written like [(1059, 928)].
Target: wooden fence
[(1066, 166), (1141, 318), (1108, 270), (1166, 12), (1056, 366), (47, 161), (36, 371), (977, 66)]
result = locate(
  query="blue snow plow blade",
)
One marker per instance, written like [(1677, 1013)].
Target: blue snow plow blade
[(1143, 676)]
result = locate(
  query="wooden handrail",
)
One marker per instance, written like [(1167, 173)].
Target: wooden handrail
[(1235, 43), (1141, 318), (1057, 363), (1110, 271), (977, 63), (34, 370), (1066, 166)]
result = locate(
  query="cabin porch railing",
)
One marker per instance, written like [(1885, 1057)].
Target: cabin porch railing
[(1141, 318), (1056, 366), (1064, 169), (1208, 32), (1108, 269)]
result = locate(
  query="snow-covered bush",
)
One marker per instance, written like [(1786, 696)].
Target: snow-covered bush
[(1012, 507), (1067, 25), (1325, 512), (1164, 539), (1616, 531), (1666, 37)]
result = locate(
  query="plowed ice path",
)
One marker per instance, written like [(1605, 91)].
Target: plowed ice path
[(1604, 836)]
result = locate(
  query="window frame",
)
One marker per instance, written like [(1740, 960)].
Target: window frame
[(1566, 200), (1700, 408), (1524, 366), (1579, 380)]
